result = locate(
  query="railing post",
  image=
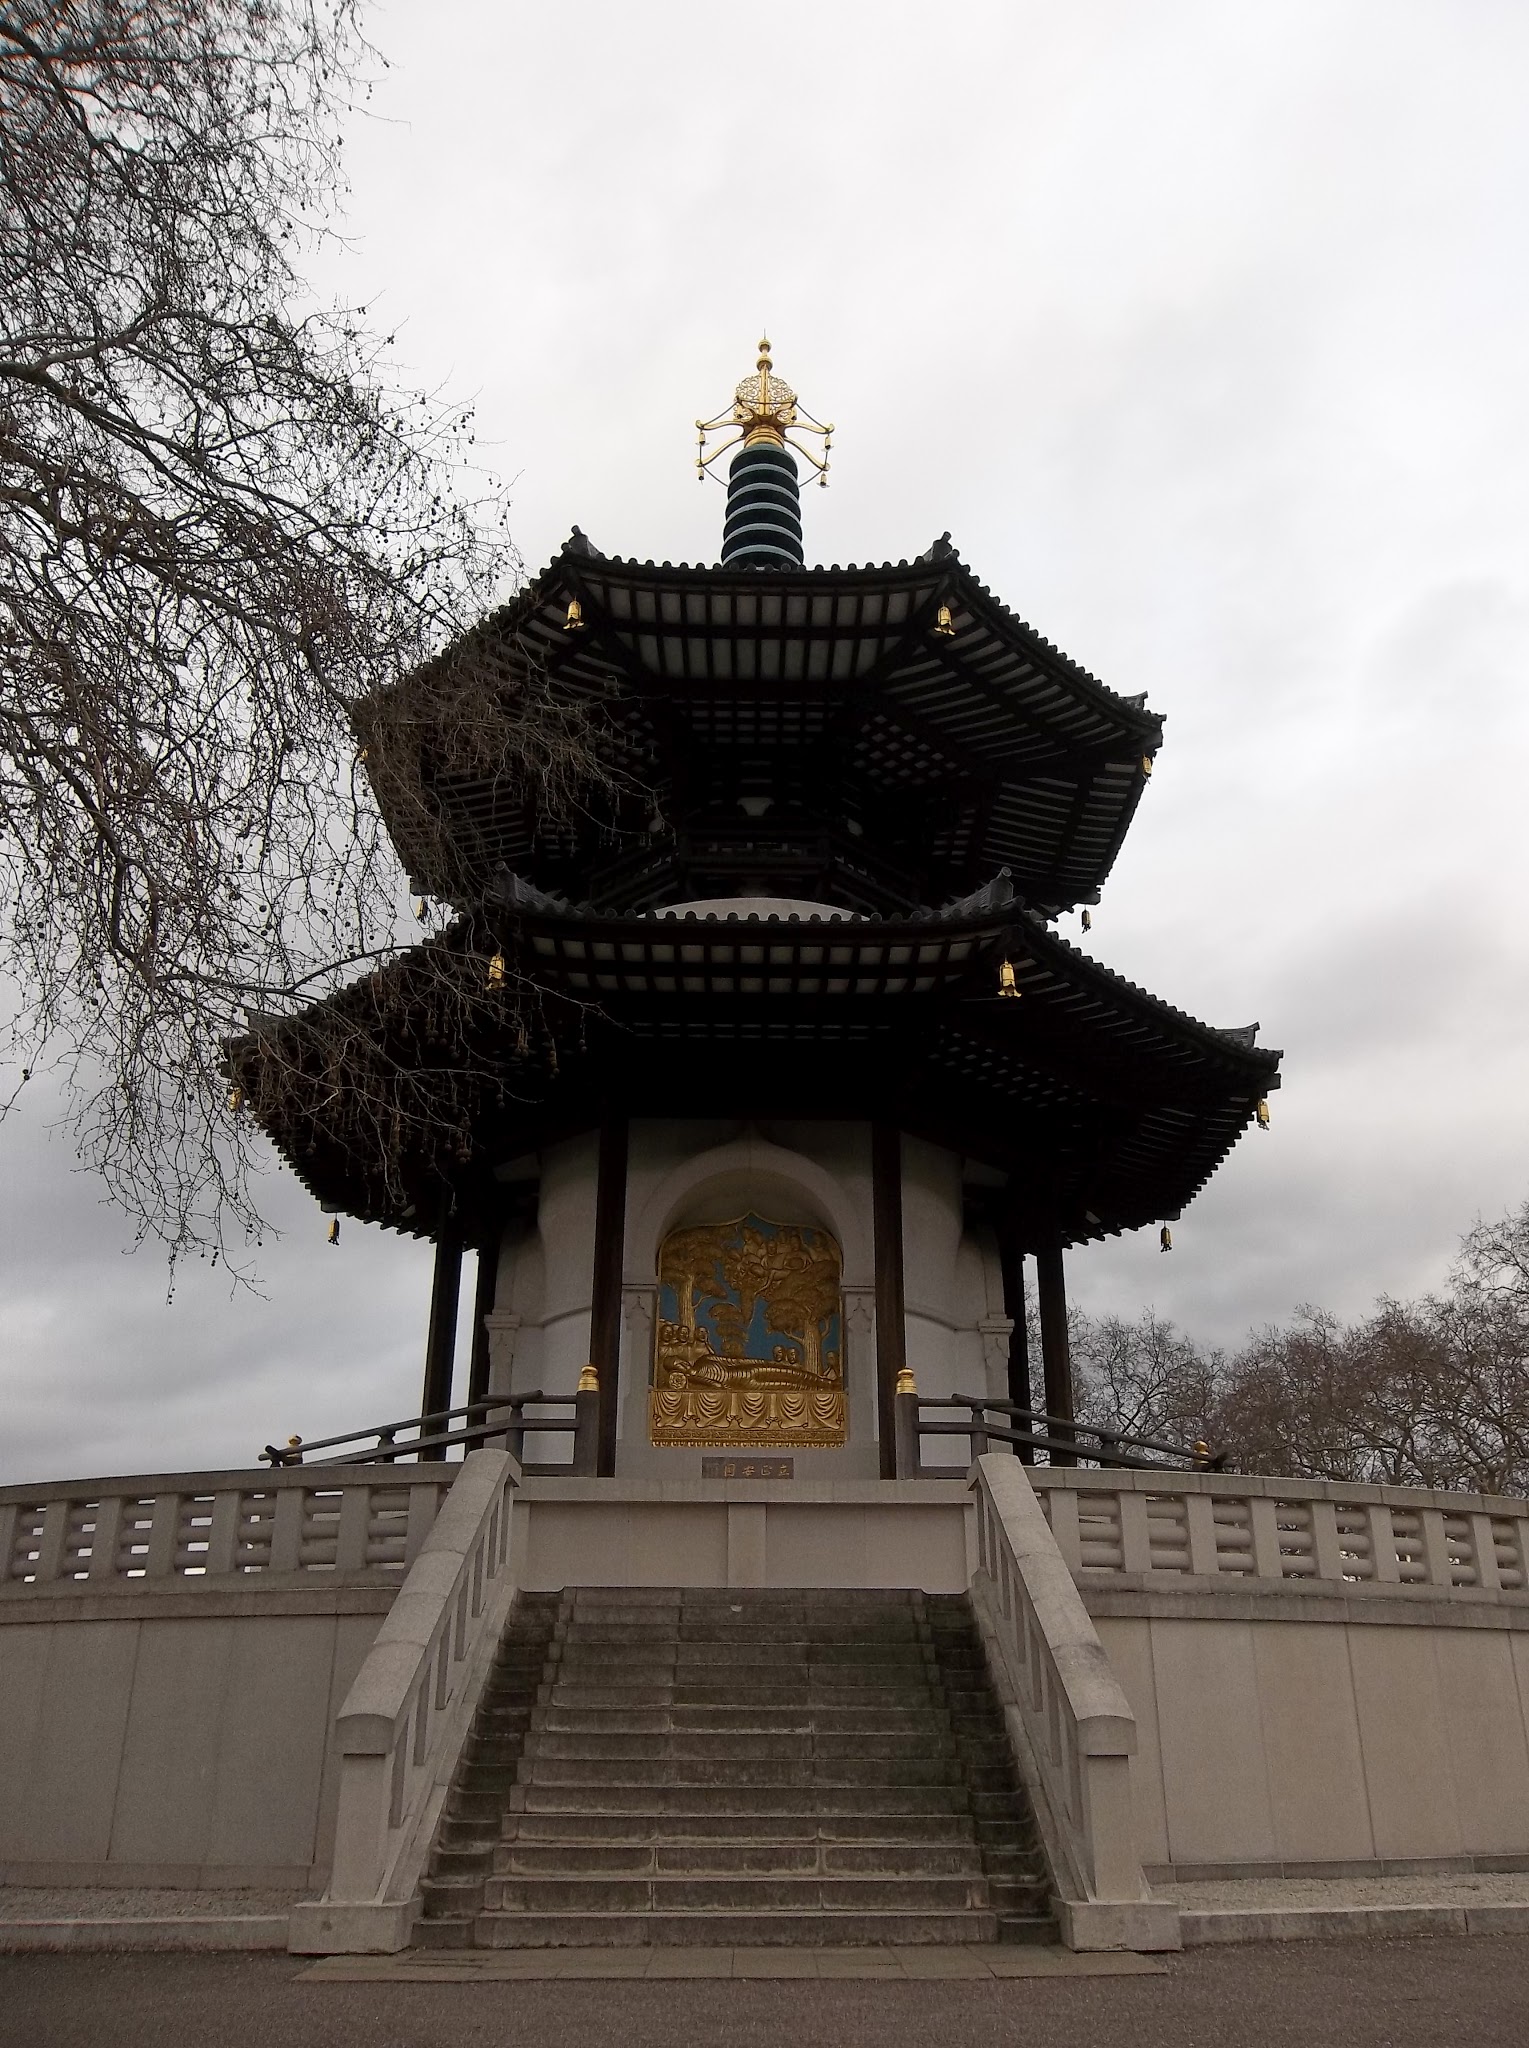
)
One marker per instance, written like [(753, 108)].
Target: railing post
[(978, 1438), (905, 1426), (586, 1425)]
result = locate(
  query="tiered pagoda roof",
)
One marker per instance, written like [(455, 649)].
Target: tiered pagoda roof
[(871, 737), (843, 808)]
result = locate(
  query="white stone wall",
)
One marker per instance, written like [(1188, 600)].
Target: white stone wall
[(174, 1748), (1279, 1743)]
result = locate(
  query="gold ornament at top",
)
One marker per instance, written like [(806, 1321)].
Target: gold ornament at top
[(765, 409)]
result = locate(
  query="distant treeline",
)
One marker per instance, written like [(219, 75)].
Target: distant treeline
[(1433, 1392)]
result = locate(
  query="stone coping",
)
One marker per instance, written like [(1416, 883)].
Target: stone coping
[(1228, 1596), (1244, 1486), (875, 1493), (219, 1596), (246, 1479)]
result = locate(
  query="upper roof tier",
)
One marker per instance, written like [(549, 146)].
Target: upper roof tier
[(871, 737)]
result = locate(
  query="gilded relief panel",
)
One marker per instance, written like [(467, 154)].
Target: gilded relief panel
[(749, 1348)]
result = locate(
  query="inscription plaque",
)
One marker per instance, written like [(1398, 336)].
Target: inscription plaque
[(748, 1468)]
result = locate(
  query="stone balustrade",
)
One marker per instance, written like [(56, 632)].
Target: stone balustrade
[(201, 1527), (404, 1721), (1069, 1720), (1320, 1533)]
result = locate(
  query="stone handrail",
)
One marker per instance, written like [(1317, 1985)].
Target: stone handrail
[(196, 1528), (1068, 1718), (1294, 1532), (407, 1715)]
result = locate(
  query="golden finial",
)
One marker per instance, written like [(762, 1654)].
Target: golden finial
[(589, 1380), (764, 409), (906, 1384)]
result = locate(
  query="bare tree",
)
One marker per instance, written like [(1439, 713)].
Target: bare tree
[(1145, 1377), (221, 530)]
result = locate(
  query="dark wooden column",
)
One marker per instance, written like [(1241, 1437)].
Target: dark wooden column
[(891, 1329), (441, 1341), (1011, 1259), (1056, 1357), (605, 1300), (483, 1302)]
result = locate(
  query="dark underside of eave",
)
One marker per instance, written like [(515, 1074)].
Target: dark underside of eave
[(1108, 1109), (899, 764)]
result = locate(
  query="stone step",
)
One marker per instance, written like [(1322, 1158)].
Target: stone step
[(752, 1599), (725, 1770), (681, 1828), (743, 1634), (812, 1801), (713, 1929), (703, 1663), (739, 1745), (683, 1894), (561, 1719), (663, 1692), (736, 1859)]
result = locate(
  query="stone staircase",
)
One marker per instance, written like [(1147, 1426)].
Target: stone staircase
[(738, 1767)]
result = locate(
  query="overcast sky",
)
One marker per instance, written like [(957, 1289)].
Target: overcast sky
[(1204, 329)]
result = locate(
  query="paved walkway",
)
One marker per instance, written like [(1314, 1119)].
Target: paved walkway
[(1438, 1993)]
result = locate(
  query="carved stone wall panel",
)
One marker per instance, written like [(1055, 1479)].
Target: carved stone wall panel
[(749, 1340)]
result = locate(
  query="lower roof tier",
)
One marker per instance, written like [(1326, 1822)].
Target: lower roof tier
[(396, 1098)]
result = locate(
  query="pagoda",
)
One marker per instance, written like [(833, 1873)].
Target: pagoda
[(755, 1076)]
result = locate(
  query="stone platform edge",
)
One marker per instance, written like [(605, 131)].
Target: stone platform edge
[(214, 1931)]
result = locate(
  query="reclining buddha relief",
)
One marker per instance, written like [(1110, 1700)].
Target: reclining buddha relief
[(750, 1345)]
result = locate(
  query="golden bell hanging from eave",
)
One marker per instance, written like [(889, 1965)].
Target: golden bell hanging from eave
[(496, 971), (334, 1230), (1146, 765), (574, 622), (1088, 922), (1006, 982), (944, 624), (236, 1099), (1165, 1239), (1262, 1113)]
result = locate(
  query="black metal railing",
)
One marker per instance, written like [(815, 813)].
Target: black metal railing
[(501, 1420), (1062, 1438)]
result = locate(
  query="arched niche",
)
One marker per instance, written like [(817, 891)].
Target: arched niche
[(751, 1173)]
